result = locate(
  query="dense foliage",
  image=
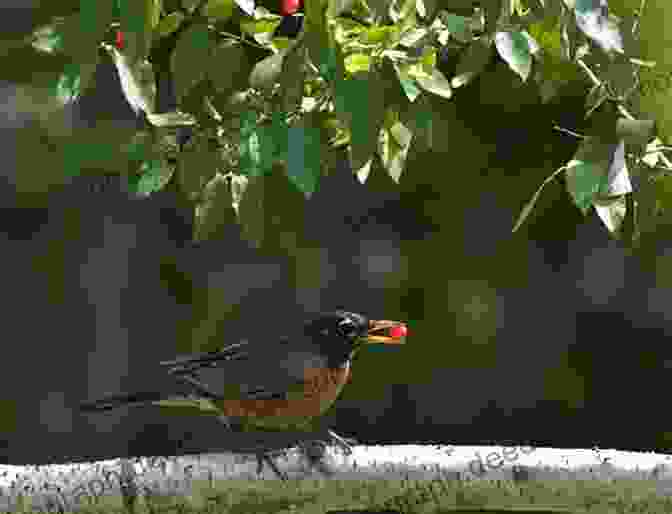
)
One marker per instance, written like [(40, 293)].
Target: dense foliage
[(351, 75)]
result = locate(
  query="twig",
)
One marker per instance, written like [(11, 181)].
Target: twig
[(621, 109)]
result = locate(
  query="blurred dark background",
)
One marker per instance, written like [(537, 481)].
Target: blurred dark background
[(553, 336)]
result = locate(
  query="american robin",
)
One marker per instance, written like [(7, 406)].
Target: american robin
[(281, 386)]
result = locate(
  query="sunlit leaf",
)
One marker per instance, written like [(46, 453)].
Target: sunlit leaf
[(408, 84), (137, 80), (586, 174), (612, 212), (395, 140), (363, 172), (219, 10), (594, 20), (216, 209), (171, 119), (266, 72), (618, 178), (247, 6), (436, 83), (357, 62), (169, 24), (515, 49)]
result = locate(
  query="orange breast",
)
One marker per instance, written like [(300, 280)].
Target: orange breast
[(319, 391)]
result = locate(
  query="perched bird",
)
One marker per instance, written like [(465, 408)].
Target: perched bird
[(285, 385)]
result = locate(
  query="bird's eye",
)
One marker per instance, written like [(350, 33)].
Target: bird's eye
[(348, 328)]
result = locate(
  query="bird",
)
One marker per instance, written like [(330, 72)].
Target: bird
[(287, 384)]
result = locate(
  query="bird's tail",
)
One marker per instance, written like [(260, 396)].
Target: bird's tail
[(122, 400)]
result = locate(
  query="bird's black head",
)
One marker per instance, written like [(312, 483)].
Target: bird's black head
[(340, 332)]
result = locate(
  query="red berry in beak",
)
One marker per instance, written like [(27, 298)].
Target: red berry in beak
[(398, 332)]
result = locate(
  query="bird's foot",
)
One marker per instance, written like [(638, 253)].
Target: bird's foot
[(343, 443)]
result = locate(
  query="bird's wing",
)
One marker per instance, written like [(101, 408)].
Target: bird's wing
[(246, 371), (197, 361)]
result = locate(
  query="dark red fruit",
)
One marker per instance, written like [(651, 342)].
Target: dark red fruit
[(119, 40), (290, 7)]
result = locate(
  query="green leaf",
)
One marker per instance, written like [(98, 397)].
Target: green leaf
[(495, 11), (267, 72), (618, 178), (96, 149), (436, 83), (250, 153), (169, 24), (197, 166), (272, 142), (583, 182), (139, 148), (357, 62), (137, 80), (408, 83), (247, 6), (216, 210), (263, 26), (73, 81), (338, 7), (154, 175), (419, 118), (303, 158), (472, 62), (292, 79), (612, 212), (364, 170), (587, 172), (516, 49), (359, 102), (171, 119), (94, 19), (229, 67), (138, 19), (395, 140), (251, 211), (458, 26), (219, 10), (48, 38), (379, 34), (593, 19), (190, 58)]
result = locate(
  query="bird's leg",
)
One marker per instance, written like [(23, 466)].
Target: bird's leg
[(264, 457), (343, 444)]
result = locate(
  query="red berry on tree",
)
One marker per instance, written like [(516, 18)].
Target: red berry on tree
[(119, 40), (290, 7)]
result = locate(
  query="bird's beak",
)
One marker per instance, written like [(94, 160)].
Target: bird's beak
[(386, 332)]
